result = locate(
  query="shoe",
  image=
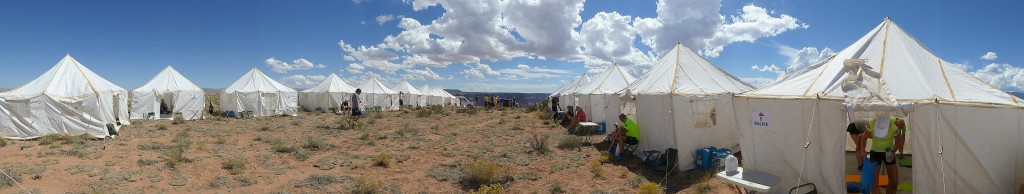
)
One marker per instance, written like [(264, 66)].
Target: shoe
[(618, 158)]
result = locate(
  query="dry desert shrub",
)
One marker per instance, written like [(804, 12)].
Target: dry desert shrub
[(597, 169), (490, 189), (650, 188), (484, 172), (366, 186), (539, 143), (174, 156), (424, 113), (384, 159), (569, 142), (235, 165), (316, 143)]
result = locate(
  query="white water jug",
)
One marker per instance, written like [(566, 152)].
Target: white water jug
[(731, 163)]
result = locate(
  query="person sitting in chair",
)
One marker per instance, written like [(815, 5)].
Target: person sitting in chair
[(575, 122), (627, 133)]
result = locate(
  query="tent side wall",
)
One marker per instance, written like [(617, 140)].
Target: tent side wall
[(980, 146), (144, 102), (190, 104), (779, 148), (41, 115), (689, 137)]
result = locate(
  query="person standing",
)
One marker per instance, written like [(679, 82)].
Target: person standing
[(357, 104), (886, 136), (401, 101)]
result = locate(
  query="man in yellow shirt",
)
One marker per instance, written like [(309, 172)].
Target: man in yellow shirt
[(628, 133)]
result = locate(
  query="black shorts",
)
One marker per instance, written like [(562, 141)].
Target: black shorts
[(879, 158), (356, 112), (631, 140)]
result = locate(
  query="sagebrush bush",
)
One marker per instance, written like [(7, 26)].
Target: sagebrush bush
[(650, 188), (490, 189), (569, 142), (424, 113), (174, 156), (539, 143), (235, 165), (316, 143), (597, 169), (366, 186), (384, 159), (484, 172)]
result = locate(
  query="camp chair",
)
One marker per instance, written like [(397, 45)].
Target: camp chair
[(661, 163), (229, 114), (814, 189), (111, 129)]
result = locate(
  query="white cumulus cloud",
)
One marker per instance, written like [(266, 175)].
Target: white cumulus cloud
[(421, 74), (1003, 76), (767, 68), (480, 71), (302, 81), (754, 23), (990, 56), (804, 57), (526, 72), (283, 67), (355, 68)]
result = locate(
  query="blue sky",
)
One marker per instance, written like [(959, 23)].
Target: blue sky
[(510, 46)]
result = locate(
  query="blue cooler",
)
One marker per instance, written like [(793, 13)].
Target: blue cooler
[(719, 156), (600, 128), (704, 161)]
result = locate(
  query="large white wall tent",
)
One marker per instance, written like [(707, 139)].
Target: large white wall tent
[(330, 93), (375, 94), (604, 103), (447, 99), (67, 99), (175, 91), (684, 102), (256, 92), (966, 134), (410, 95)]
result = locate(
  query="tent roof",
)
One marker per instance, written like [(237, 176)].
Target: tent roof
[(443, 93), (67, 78), (255, 81), (407, 88), (373, 86), (574, 85), (169, 80), (611, 81), (427, 90), (333, 83), (682, 71), (910, 71)]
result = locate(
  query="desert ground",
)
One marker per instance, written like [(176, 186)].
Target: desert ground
[(426, 150)]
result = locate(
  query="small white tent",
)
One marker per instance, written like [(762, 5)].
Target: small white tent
[(966, 134), (172, 89), (256, 92), (567, 97), (410, 95), (433, 98), (67, 99), (447, 99), (330, 93), (684, 102), (604, 103), (375, 94)]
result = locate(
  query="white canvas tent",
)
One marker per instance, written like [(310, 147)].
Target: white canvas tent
[(684, 102), (67, 99), (433, 98), (447, 98), (966, 134), (567, 97), (410, 95), (256, 92), (178, 93), (330, 93), (375, 94), (604, 103)]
